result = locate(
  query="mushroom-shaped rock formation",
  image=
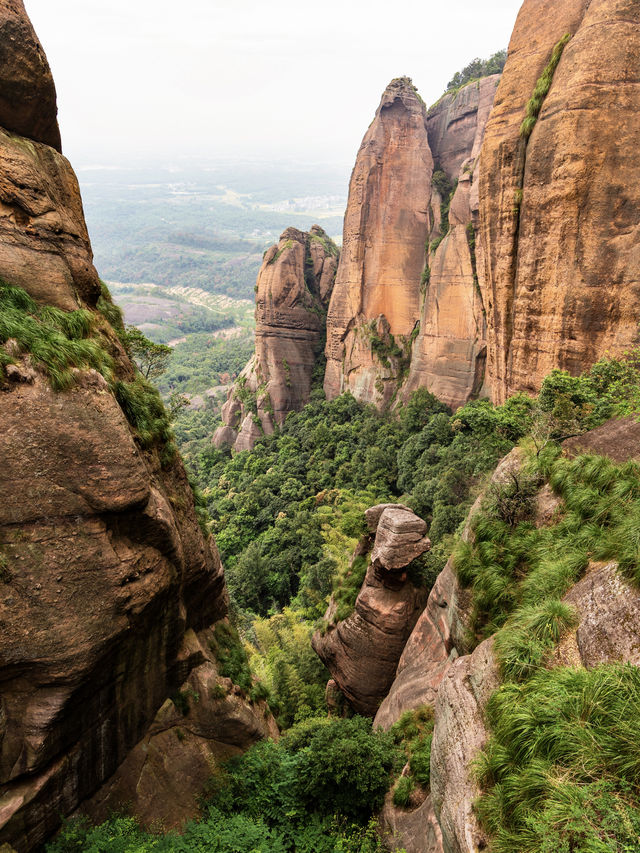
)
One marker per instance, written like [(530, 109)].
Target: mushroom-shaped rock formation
[(362, 651)]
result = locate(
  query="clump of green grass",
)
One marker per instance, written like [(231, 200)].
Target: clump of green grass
[(522, 645), (562, 768), (56, 340), (513, 564), (347, 588), (109, 310), (414, 732), (402, 791), (541, 89), (145, 411)]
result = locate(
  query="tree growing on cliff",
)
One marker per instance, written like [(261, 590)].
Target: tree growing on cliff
[(151, 359)]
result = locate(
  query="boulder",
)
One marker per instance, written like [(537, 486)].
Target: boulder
[(400, 538)]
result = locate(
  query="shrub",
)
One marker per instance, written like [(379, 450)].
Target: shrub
[(402, 791)]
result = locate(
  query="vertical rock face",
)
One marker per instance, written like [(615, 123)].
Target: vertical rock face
[(559, 218), (104, 571), (376, 300), (449, 354), (362, 651), (293, 291), (27, 92)]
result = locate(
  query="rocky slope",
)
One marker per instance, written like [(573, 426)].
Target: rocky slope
[(107, 585), (385, 611), (558, 262), (436, 671), (294, 286)]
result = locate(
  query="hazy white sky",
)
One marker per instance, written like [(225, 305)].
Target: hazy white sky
[(281, 79)]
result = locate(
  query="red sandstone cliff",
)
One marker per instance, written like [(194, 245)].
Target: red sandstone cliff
[(108, 588), (294, 286), (449, 354), (559, 224)]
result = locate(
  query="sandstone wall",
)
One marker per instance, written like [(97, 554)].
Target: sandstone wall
[(377, 291), (449, 354), (559, 265)]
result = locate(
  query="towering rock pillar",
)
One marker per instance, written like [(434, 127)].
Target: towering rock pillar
[(560, 230), (293, 290), (375, 306)]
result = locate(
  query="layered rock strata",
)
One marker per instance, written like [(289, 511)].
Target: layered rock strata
[(362, 651), (559, 224), (375, 306), (104, 569), (294, 286)]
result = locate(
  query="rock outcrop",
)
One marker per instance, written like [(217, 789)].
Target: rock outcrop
[(28, 105), (104, 569), (294, 286), (403, 316), (207, 722), (559, 225), (449, 354), (375, 305), (362, 651)]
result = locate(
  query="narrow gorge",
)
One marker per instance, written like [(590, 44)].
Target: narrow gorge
[(394, 603)]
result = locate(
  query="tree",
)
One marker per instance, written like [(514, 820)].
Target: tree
[(151, 359)]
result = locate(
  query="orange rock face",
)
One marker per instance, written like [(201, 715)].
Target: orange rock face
[(294, 288), (377, 291), (559, 218), (449, 354)]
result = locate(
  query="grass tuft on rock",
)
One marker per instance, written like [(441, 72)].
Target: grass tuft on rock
[(541, 89), (57, 341), (562, 768)]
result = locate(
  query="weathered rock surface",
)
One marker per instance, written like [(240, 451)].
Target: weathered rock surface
[(167, 771), (103, 566), (44, 245), (456, 124), (362, 651), (458, 736), (558, 255), (413, 830), (618, 438), (449, 353), (377, 291), (400, 538), (294, 287), (27, 92)]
